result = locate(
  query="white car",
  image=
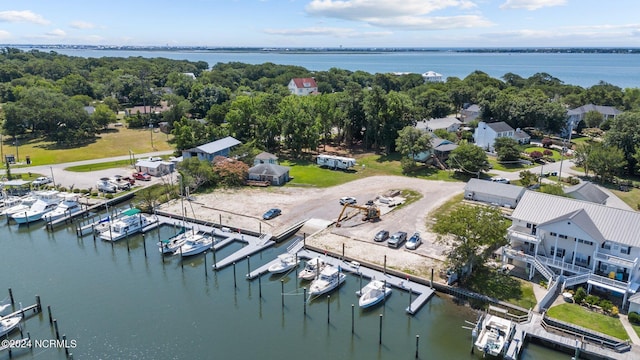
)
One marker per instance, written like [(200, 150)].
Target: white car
[(347, 200), (41, 181), (500, 180)]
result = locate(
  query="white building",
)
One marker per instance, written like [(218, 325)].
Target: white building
[(573, 242), (486, 134), (432, 76), (451, 124), (303, 86)]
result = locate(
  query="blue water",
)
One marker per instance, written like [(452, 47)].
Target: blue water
[(582, 69)]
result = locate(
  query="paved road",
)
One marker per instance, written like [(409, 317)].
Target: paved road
[(82, 180)]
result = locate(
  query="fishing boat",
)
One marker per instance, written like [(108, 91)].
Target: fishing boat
[(495, 335), (373, 293), (131, 222), (21, 205), (46, 202), (67, 207), (285, 263), (195, 244), (330, 278), (7, 324), (312, 269)]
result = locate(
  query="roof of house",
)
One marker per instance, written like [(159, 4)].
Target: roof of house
[(164, 106), (494, 188), (587, 191), (500, 126), (268, 169), (635, 298), (605, 110), (304, 83), (521, 134), (152, 164), (266, 156), (441, 123), (473, 108), (216, 146), (431, 73), (614, 224)]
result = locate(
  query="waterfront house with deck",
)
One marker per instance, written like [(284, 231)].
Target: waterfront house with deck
[(573, 242)]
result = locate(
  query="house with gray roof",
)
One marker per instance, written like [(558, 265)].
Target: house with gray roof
[(574, 116), (574, 242), (265, 158), (486, 134), (451, 124), (221, 147), (470, 113), (273, 173), (588, 192), (440, 148), (492, 192)]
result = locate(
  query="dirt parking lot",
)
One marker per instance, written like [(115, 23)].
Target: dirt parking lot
[(243, 208)]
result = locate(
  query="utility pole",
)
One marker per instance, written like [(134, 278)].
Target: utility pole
[(564, 146)]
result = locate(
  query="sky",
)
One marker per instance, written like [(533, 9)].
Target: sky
[(323, 23)]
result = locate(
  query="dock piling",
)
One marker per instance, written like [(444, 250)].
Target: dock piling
[(282, 291), (328, 309), (206, 274), (409, 299), (353, 319), (38, 304), (144, 245), (380, 332), (55, 327), (49, 311), (66, 348), (128, 248), (215, 266), (248, 265), (417, 345), (342, 251), (11, 297), (260, 287), (385, 264), (304, 300), (432, 278), (181, 259)]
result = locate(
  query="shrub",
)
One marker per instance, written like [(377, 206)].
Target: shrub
[(109, 196), (634, 318), (580, 295), (543, 283), (615, 311), (535, 154), (606, 305), (547, 152), (592, 300), (546, 142)]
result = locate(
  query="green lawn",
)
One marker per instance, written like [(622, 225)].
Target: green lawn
[(99, 166), (578, 315), (511, 167), (113, 142), (502, 287), (631, 198)]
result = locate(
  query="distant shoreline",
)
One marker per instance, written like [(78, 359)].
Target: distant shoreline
[(345, 50)]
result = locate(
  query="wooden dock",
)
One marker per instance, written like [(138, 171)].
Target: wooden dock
[(423, 292)]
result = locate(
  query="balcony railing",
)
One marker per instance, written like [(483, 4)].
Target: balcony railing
[(522, 234), (559, 264), (597, 279), (616, 260)]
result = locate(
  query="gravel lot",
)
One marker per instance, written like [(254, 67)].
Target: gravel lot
[(243, 208)]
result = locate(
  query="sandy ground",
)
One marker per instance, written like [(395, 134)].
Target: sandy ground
[(243, 208)]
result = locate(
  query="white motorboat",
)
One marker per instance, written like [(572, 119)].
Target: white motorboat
[(22, 205), (7, 324), (330, 278), (131, 222), (373, 293), (285, 263), (67, 207), (312, 269), (173, 244), (495, 335), (9, 201), (196, 243), (46, 202)]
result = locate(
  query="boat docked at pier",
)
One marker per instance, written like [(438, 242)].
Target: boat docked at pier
[(495, 334), (67, 207), (285, 263), (46, 202), (13, 205), (195, 244), (132, 221), (312, 269), (173, 244), (330, 278), (7, 324), (373, 293)]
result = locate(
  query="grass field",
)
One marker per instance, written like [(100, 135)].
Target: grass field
[(580, 316), (113, 142)]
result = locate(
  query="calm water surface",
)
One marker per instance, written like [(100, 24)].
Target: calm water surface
[(117, 304)]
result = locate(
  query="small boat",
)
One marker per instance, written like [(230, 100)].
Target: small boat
[(173, 244), (495, 335), (312, 269), (330, 278), (196, 243), (131, 222), (285, 263), (7, 324), (45, 203), (67, 207), (373, 293), (22, 205)]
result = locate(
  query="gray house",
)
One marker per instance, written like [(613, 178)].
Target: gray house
[(273, 173), (492, 192), (210, 150), (265, 158), (588, 192)]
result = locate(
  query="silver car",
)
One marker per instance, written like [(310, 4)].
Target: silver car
[(396, 240), (413, 242)]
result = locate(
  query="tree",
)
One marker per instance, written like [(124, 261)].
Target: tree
[(553, 189), (473, 233), (606, 161), (195, 173), (103, 116), (527, 178), (410, 142), (230, 172), (581, 156), (507, 149), (625, 135), (593, 119), (468, 158)]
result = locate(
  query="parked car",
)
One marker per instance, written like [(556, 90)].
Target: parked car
[(141, 176), (414, 241), (500, 180), (106, 186), (347, 200), (120, 184), (382, 235), (396, 240), (130, 180), (271, 213), (42, 180)]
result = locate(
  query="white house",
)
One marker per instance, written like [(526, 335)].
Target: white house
[(155, 168), (574, 242), (492, 192), (303, 86), (486, 134), (432, 76), (451, 124)]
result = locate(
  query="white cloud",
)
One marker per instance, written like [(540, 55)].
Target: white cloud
[(56, 33), (531, 4), (22, 16), (82, 25), (326, 31), (4, 35)]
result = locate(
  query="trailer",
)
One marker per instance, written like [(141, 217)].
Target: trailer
[(335, 162)]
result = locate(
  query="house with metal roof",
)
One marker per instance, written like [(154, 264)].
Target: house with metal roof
[(303, 86), (470, 113), (221, 147), (155, 168), (494, 193), (432, 76), (588, 192), (451, 124), (273, 173), (486, 134), (573, 242)]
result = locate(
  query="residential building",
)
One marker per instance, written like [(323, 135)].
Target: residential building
[(149, 109), (486, 134), (265, 158), (470, 113), (155, 168), (273, 173), (576, 115), (440, 150), (432, 76), (221, 147), (572, 242), (303, 86), (450, 124), (494, 193), (588, 192)]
